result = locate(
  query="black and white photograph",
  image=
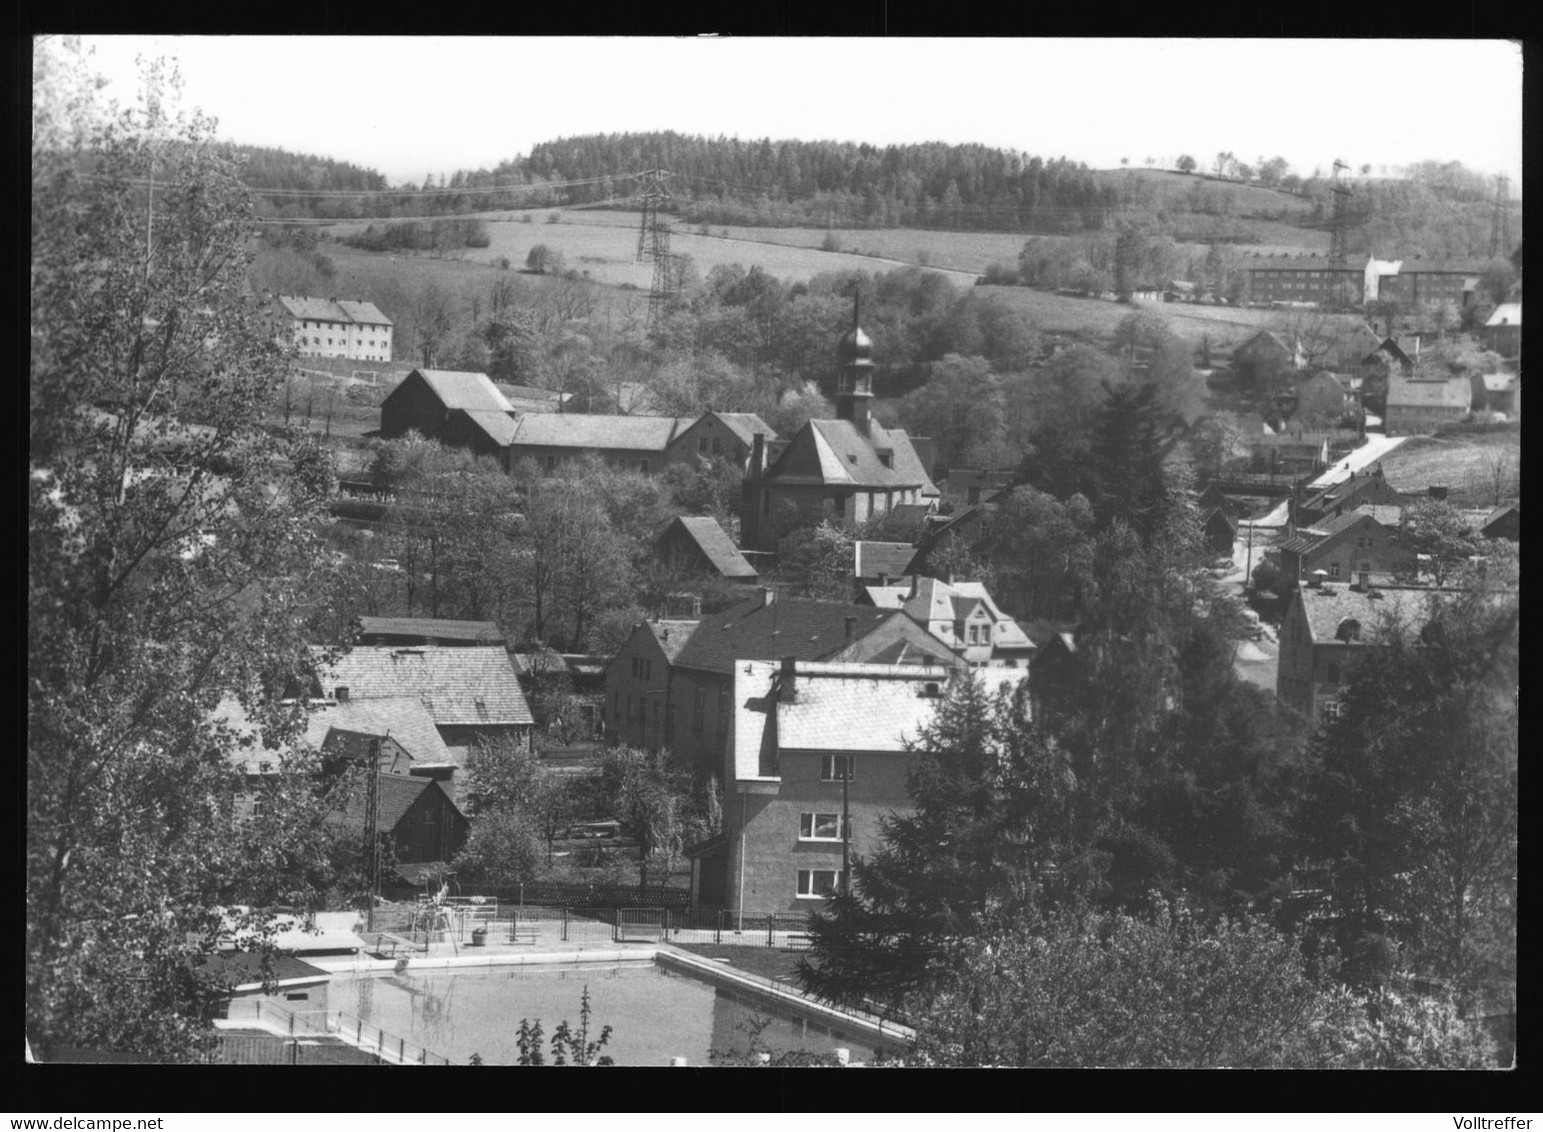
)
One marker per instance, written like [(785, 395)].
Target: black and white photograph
[(787, 553)]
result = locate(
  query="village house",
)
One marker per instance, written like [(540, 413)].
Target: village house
[(962, 615), (405, 632), (964, 487), (726, 436), (471, 692), (1351, 545), (669, 684), (1220, 530), (875, 563), (532, 399), (335, 328), (696, 544), (1503, 332), (1504, 522), (1349, 494), (461, 410), (628, 444), (1323, 399), (816, 759), (566, 692), (846, 471), (1422, 406), (1265, 353), (416, 817), (1503, 394), (1326, 633)]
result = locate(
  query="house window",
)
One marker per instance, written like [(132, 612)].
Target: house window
[(698, 708), (717, 445), (1333, 569), (259, 807), (701, 444), (723, 712), (819, 827), (428, 818), (643, 467), (1331, 674), (648, 668), (839, 505), (818, 884), (1331, 709), (838, 768)]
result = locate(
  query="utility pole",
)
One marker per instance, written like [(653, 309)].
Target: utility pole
[(1338, 256), (372, 834), (846, 830)]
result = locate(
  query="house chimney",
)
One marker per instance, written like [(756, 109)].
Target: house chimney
[(915, 582), (1437, 491), (883, 578), (788, 687), (340, 694), (851, 627)]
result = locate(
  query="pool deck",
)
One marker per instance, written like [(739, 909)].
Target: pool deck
[(553, 953)]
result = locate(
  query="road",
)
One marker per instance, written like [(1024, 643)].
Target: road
[(1375, 448)]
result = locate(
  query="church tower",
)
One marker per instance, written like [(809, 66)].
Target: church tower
[(854, 375)]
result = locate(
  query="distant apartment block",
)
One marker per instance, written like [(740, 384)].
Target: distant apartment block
[(337, 328)]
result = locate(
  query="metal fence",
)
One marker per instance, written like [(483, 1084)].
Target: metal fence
[(331, 1027)]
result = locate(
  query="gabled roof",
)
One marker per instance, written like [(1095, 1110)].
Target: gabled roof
[(714, 543), (1388, 514), (497, 426), (870, 559), (472, 685), (672, 636), (458, 390), (594, 431), (1215, 512), (366, 313), (403, 719), (436, 628), (1307, 538), (754, 630), (1506, 314), (838, 453), (1499, 382), (1406, 392), (936, 600), (745, 425), (395, 795), (1327, 609)]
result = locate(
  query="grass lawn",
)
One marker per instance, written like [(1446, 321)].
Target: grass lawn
[(1464, 462), (768, 962)]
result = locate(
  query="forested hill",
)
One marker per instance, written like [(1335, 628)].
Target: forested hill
[(730, 180), (293, 177)]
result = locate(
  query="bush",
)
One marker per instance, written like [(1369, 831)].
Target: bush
[(1001, 275), (830, 243), (525, 219), (554, 218), (1267, 575)]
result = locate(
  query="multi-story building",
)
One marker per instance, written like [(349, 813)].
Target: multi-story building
[(1328, 630), (817, 757), (670, 684), (337, 328), (1351, 545), (725, 436), (846, 470), (1419, 405), (962, 616)]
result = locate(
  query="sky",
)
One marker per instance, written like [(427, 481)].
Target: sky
[(407, 107)]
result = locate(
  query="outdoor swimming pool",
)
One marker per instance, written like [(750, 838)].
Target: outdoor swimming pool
[(654, 1014)]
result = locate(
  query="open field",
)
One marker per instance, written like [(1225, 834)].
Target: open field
[(1465, 462), (1225, 326), (603, 246)]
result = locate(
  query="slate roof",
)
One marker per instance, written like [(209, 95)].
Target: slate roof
[(1499, 382), (715, 545), (590, 430), (497, 426), (870, 559), (402, 718), (443, 629), (1500, 513), (936, 600), (751, 629), (1307, 538), (367, 314), (395, 795), (471, 685), (459, 390), (837, 453), (1509, 314), (1326, 609), (333, 310), (1232, 524), (746, 425), (672, 636), (1404, 392)]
